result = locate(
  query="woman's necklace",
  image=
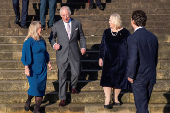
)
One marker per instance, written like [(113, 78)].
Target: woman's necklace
[(114, 34)]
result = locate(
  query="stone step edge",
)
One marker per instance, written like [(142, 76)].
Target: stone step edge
[(82, 92), (71, 106), (56, 81), (55, 60)]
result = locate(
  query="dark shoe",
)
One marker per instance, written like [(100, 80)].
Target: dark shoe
[(24, 27), (100, 7), (90, 7), (62, 103), (35, 112), (74, 91), (16, 21), (117, 104), (26, 109), (43, 26), (108, 106), (50, 26)]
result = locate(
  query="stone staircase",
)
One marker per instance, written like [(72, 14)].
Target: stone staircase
[(13, 82)]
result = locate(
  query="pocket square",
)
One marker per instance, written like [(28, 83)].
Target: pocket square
[(76, 29)]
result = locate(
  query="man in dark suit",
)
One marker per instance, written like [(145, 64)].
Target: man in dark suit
[(24, 12), (52, 9), (98, 4), (68, 31), (142, 61)]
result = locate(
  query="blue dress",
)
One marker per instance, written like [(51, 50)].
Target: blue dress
[(35, 55), (113, 51)]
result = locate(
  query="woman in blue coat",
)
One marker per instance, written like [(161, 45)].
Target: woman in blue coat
[(35, 59), (113, 59)]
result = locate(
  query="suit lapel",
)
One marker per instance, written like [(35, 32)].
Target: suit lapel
[(72, 28)]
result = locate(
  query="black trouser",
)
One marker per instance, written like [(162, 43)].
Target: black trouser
[(24, 10), (98, 2)]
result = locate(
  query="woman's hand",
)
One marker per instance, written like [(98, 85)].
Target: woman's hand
[(49, 65), (100, 62), (27, 71)]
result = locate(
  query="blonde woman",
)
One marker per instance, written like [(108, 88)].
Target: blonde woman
[(113, 59), (35, 59)]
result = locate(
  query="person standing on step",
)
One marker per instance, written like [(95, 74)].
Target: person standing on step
[(68, 31), (113, 60), (35, 59), (98, 4), (142, 61), (52, 9), (24, 12)]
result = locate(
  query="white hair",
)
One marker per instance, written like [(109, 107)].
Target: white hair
[(117, 20), (65, 8)]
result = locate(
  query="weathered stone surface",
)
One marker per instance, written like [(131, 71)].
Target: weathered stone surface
[(163, 74), (2, 108), (8, 85), (47, 108), (9, 32)]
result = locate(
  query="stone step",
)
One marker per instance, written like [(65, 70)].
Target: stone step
[(90, 55), (17, 64), (33, 11), (82, 85), (89, 39), (83, 97), (85, 5), (87, 31), (85, 1), (85, 75), (85, 64), (126, 108), (103, 17), (97, 24), (82, 108), (90, 47)]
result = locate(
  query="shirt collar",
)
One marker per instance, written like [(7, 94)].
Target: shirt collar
[(138, 28), (68, 21)]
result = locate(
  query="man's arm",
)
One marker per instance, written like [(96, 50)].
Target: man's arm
[(132, 59), (82, 40), (52, 39)]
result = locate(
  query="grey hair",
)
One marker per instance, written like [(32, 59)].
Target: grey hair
[(65, 8), (117, 20)]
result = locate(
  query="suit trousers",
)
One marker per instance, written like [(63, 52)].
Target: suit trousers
[(24, 10), (52, 9), (62, 70), (142, 93), (98, 2)]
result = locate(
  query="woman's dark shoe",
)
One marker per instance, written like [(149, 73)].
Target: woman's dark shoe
[(26, 108), (108, 106), (36, 112), (117, 104)]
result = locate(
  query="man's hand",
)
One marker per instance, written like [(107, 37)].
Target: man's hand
[(83, 51), (56, 46), (100, 62), (130, 80)]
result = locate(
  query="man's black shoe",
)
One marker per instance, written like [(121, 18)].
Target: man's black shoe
[(16, 21), (100, 7), (24, 27), (43, 26), (90, 7)]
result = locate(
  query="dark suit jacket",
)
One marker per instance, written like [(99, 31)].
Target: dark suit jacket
[(143, 56), (68, 47)]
